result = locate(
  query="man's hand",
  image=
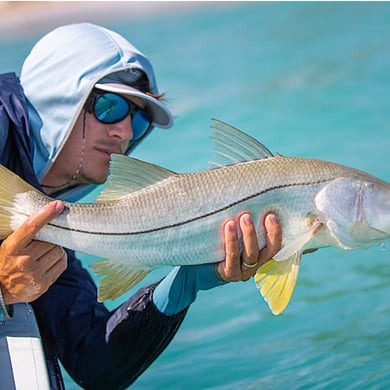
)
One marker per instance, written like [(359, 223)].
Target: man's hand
[(29, 267), (242, 266)]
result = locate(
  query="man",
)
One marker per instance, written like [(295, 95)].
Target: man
[(87, 93)]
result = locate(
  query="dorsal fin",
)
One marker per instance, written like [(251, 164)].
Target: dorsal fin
[(231, 145), (128, 174)]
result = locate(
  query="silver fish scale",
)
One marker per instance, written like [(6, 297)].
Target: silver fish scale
[(177, 221)]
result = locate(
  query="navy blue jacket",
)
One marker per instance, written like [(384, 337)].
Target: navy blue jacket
[(100, 349)]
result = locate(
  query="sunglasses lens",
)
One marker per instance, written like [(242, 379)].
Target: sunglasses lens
[(111, 108), (140, 124)]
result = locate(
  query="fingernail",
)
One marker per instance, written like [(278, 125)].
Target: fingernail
[(231, 226), (273, 219), (60, 207), (247, 218)]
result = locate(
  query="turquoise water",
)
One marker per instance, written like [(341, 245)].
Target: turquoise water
[(308, 80)]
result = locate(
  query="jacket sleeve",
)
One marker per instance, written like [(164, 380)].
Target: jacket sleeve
[(180, 287), (102, 349)]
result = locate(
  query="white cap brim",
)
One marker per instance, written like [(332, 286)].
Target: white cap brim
[(160, 115)]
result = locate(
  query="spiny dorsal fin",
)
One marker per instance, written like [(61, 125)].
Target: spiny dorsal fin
[(128, 174), (232, 146)]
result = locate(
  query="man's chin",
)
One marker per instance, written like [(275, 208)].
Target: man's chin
[(95, 179), (102, 179)]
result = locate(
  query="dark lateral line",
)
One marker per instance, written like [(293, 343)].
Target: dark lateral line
[(192, 219)]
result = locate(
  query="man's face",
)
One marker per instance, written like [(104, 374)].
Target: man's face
[(100, 141)]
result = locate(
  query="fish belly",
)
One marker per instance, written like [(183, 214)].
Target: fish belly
[(183, 238)]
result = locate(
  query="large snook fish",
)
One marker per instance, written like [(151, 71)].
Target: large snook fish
[(148, 216)]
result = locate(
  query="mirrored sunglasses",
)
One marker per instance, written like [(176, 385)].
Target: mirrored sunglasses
[(109, 108)]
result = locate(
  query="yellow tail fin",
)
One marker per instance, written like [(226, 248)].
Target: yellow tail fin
[(10, 186), (276, 281)]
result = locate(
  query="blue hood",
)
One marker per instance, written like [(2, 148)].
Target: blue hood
[(58, 76)]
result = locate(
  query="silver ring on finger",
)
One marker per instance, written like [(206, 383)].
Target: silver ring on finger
[(249, 265)]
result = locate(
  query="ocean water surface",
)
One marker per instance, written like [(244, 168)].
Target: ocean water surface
[(309, 80)]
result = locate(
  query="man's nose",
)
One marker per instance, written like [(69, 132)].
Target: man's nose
[(122, 129)]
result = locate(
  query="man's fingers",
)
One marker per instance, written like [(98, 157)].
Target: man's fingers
[(232, 249), (273, 230), (26, 232), (34, 265), (49, 258), (33, 277), (250, 251), (39, 249), (55, 265), (229, 269)]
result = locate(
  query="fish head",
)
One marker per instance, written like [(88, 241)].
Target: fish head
[(355, 210), (374, 206)]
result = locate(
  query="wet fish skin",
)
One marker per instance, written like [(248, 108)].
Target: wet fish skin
[(148, 216)]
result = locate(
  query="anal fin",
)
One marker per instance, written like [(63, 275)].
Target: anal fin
[(119, 278), (276, 281)]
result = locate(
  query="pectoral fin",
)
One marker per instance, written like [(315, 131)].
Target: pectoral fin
[(276, 281), (296, 245), (118, 279)]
